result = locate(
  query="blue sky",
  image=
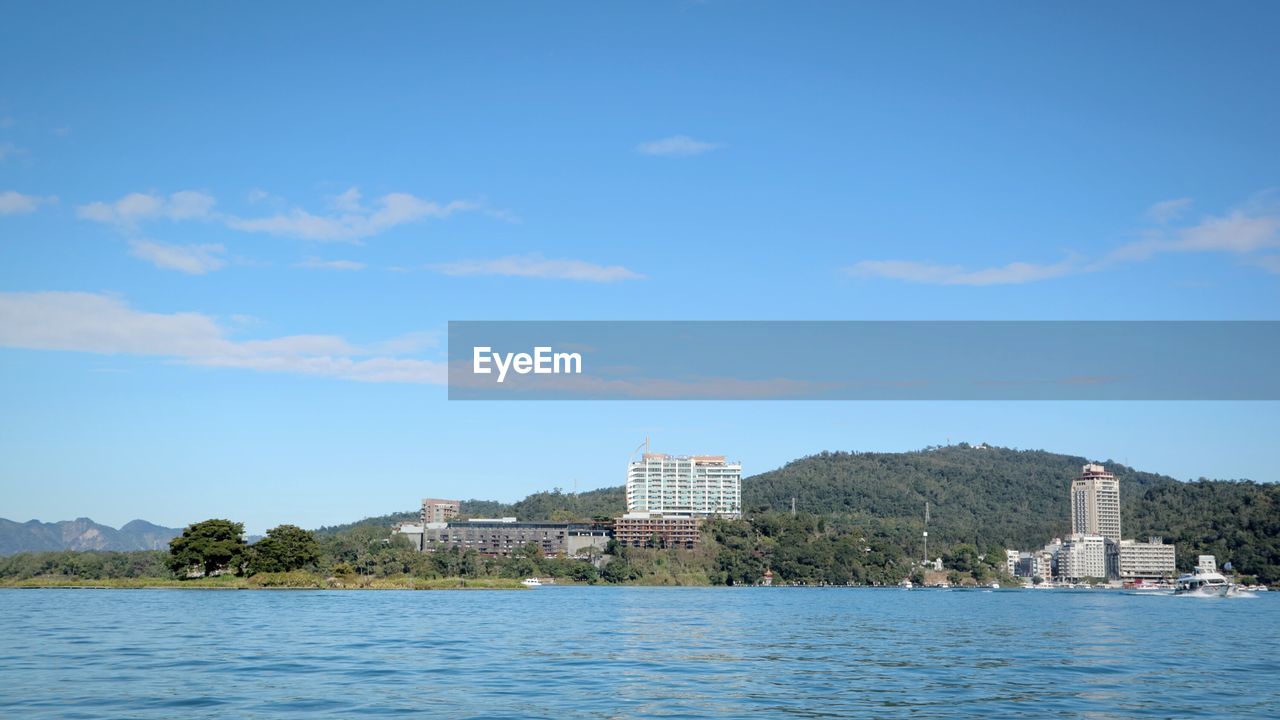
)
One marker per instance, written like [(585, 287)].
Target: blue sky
[(231, 236)]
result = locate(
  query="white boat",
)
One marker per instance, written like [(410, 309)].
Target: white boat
[(994, 586), (906, 585), (1204, 581), (531, 582)]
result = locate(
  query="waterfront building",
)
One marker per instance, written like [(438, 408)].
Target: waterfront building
[(501, 537), (694, 485), (1011, 558), (1088, 556), (1152, 560), (643, 529), (1030, 565), (1095, 503), (435, 510)]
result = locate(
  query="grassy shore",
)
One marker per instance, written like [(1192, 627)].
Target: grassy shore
[(271, 581)]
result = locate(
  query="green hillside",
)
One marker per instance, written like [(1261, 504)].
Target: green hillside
[(1019, 499)]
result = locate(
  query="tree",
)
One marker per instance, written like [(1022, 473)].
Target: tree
[(208, 548), (619, 571), (285, 548), (962, 558)]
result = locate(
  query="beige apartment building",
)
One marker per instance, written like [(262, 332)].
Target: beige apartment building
[(1095, 503), (435, 510), (1152, 560)]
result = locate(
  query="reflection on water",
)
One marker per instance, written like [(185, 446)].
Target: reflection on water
[(560, 652)]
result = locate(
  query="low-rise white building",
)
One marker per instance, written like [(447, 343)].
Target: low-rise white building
[(1087, 556), (1151, 560)]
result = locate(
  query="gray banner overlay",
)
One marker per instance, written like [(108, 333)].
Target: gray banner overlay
[(864, 360)]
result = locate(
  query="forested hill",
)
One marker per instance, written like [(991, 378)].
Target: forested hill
[(554, 505), (1020, 499), (976, 494)]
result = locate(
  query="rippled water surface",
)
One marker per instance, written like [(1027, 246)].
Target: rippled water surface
[(636, 652)]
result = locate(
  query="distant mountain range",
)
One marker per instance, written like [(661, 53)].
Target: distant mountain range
[(82, 534)]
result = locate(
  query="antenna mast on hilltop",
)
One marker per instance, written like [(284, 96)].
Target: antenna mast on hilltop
[(926, 531)]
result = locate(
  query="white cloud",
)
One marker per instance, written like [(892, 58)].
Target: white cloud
[(351, 225), (349, 201), (676, 146), (1244, 231), (350, 220), (189, 204), (258, 195), (15, 203), (190, 259), (105, 324), (1015, 273), (136, 207), (315, 263), (1237, 232), (1168, 210), (536, 266)]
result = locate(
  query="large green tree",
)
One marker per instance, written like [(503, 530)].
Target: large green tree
[(208, 548), (285, 548)]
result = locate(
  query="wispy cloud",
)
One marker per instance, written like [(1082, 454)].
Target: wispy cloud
[(15, 203), (1239, 232), (1168, 210), (1243, 231), (133, 208), (315, 263), (1014, 273), (676, 146), (351, 221), (536, 266), (190, 259), (105, 324), (349, 201)]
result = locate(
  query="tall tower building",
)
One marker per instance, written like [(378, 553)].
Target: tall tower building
[(697, 485), (1095, 503)]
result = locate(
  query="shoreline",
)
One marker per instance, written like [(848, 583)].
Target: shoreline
[(273, 581)]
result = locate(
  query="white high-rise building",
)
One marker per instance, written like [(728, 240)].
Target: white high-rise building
[(696, 485), (1095, 503)]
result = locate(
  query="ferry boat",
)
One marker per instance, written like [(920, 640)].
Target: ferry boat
[(1204, 581), (531, 582)]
